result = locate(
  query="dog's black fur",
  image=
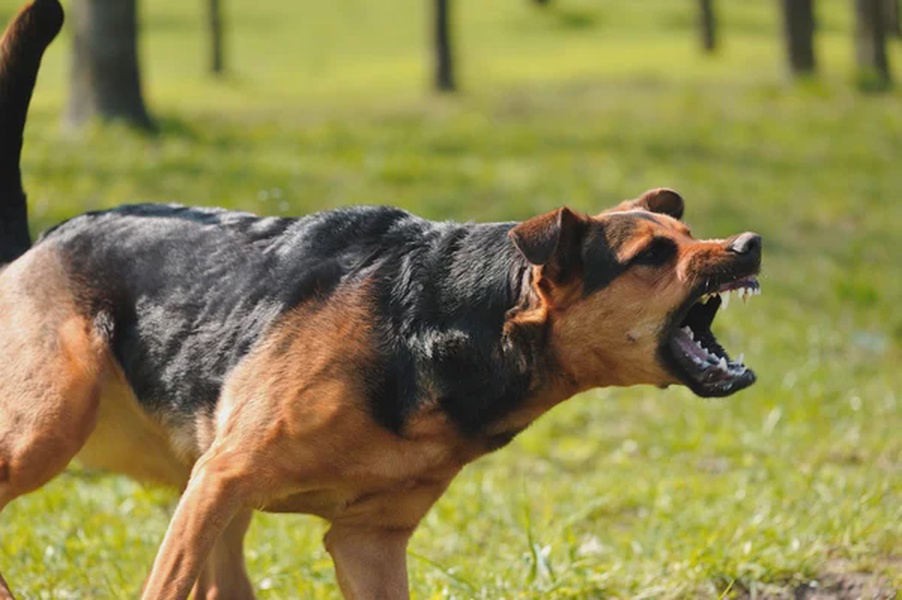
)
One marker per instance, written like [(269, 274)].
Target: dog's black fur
[(185, 293)]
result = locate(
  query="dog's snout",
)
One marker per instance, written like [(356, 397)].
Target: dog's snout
[(747, 243)]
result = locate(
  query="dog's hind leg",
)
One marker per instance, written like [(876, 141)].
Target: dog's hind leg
[(224, 575), (51, 362)]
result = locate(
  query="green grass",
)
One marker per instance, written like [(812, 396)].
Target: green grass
[(635, 493)]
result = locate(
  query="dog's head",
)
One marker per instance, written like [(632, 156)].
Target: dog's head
[(629, 295)]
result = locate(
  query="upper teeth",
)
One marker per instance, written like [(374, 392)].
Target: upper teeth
[(744, 293)]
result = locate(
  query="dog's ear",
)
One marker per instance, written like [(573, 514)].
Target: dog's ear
[(661, 200), (552, 241)]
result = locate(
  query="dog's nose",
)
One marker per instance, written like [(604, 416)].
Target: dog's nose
[(745, 243)]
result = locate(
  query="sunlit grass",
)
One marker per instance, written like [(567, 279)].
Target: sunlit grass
[(618, 493)]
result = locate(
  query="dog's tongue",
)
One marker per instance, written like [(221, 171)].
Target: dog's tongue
[(691, 348)]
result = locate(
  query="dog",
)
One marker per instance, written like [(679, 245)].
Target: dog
[(345, 364)]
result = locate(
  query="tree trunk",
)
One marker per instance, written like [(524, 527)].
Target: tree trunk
[(106, 81), (870, 40), (708, 23), (444, 59), (798, 28), (893, 18), (217, 60)]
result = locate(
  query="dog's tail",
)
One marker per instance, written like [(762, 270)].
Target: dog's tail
[(21, 49)]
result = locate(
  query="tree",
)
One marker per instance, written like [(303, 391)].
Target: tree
[(708, 24), (214, 16), (798, 28), (444, 59), (893, 18), (106, 81), (870, 40)]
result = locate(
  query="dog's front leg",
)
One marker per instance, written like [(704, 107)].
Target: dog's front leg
[(224, 576), (215, 494), (371, 564)]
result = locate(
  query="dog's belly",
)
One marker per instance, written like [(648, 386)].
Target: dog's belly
[(398, 504), (127, 441), (323, 503)]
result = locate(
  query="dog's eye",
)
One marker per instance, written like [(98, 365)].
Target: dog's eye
[(658, 252)]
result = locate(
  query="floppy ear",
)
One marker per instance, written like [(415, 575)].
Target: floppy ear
[(551, 241), (661, 200)]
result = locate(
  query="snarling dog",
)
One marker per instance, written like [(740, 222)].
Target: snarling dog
[(346, 364)]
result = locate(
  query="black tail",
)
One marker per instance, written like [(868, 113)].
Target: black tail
[(21, 50)]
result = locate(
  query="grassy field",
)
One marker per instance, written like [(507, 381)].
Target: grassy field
[(635, 493)]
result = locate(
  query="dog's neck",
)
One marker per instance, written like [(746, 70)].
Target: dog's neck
[(490, 362)]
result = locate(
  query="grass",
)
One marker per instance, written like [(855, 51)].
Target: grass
[(634, 493)]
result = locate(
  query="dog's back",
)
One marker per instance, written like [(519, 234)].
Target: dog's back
[(183, 294)]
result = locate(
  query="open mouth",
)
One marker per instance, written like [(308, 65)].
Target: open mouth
[(695, 354)]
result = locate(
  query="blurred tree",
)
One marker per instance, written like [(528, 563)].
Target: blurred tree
[(870, 40), (444, 58), (893, 18), (708, 23), (798, 28), (106, 81), (214, 17)]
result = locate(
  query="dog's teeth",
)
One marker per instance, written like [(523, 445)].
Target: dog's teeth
[(741, 358), (725, 300), (722, 364)]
